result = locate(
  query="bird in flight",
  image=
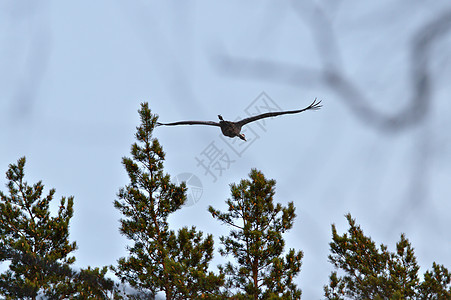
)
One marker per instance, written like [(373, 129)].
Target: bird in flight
[(233, 129)]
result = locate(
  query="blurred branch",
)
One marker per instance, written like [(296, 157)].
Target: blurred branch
[(330, 73), (29, 42)]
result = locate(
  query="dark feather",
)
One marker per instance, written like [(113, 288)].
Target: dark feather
[(315, 105), (190, 123)]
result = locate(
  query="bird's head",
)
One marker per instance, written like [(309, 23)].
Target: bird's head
[(220, 118), (241, 136)]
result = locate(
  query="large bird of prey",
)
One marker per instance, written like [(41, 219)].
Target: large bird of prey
[(233, 129)]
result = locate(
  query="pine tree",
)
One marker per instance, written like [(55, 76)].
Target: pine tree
[(256, 243), (160, 259), (436, 284), (373, 273), (35, 244)]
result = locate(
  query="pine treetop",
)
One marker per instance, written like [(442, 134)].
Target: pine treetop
[(371, 272), (160, 259), (256, 243)]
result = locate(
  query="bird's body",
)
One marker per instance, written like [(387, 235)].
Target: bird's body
[(230, 129), (233, 129)]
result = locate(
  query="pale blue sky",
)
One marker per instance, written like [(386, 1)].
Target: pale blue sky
[(72, 76)]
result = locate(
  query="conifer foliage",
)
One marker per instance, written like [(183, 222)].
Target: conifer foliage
[(37, 245), (159, 258), (373, 273), (255, 241)]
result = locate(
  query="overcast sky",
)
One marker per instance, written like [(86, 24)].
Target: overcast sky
[(73, 75)]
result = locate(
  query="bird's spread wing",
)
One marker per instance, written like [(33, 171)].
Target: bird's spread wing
[(211, 123), (314, 106)]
